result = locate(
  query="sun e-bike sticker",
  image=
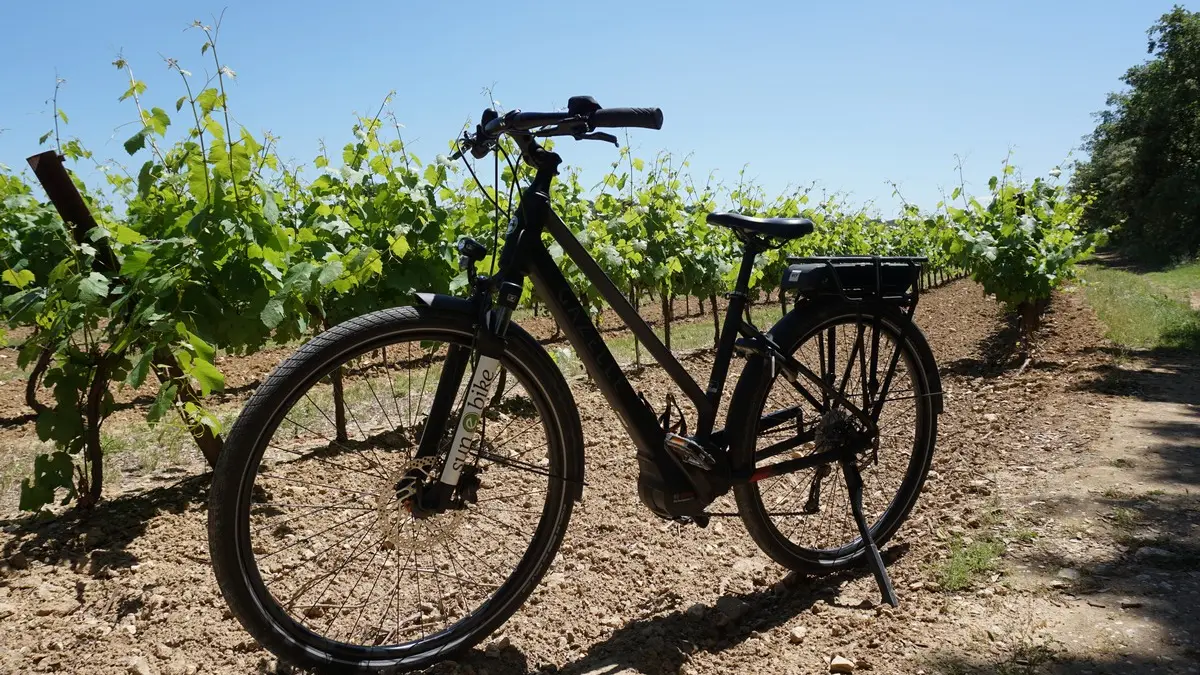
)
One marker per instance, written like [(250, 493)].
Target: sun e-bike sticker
[(467, 434)]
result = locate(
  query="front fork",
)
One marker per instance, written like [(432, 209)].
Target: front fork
[(488, 344)]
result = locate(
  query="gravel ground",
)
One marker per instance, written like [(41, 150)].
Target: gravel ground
[(128, 588)]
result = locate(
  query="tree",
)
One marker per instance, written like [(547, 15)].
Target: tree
[(1144, 167)]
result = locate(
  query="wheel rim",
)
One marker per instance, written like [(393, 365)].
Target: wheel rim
[(829, 535), (358, 579)]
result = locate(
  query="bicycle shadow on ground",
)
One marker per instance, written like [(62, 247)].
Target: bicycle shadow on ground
[(661, 644), (97, 538)]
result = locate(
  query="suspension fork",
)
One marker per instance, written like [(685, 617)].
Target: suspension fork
[(488, 344)]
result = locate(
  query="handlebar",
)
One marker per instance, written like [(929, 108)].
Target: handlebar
[(645, 118), (582, 117)]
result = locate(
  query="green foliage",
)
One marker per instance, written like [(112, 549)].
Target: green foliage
[(1146, 147), (968, 562), (222, 247), (1023, 243), (50, 472)]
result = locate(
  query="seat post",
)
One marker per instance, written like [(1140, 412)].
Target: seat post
[(742, 286), (729, 333)]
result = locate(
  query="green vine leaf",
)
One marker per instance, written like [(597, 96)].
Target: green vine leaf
[(93, 288), (136, 142), (18, 278), (50, 472), (162, 402)]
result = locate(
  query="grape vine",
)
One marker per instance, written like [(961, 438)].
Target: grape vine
[(222, 247)]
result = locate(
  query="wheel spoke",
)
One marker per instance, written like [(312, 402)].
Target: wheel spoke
[(329, 518)]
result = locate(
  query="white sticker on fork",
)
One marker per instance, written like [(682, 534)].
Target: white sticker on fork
[(469, 424)]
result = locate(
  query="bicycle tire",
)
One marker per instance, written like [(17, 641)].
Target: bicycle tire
[(233, 482), (751, 393)]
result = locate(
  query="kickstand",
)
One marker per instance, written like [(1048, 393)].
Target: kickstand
[(855, 485)]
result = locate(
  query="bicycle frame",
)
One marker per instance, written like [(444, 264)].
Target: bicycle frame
[(525, 255)]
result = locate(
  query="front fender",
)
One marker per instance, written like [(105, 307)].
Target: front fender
[(448, 303)]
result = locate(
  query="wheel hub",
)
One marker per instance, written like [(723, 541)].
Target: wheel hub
[(839, 430), (415, 494)]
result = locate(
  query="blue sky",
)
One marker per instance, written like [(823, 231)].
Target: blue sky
[(849, 94)]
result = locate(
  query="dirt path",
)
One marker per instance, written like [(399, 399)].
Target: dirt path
[(1036, 464), (1111, 583)]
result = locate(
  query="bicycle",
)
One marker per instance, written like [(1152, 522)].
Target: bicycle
[(287, 501)]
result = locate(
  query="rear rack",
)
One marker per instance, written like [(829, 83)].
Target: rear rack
[(856, 278)]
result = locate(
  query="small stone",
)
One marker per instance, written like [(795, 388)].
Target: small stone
[(990, 417), (854, 602), (837, 630), (986, 592), (18, 561), (1152, 553), (916, 585), (163, 652), (732, 607), (26, 583), (797, 635), (841, 664), (994, 633), (1068, 573), (425, 607), (140, 666), (502, 643), (817, 607), (7, 610), (47, 592), (57, 608), (932, 474)]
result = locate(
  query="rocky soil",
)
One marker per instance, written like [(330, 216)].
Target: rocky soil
[(1081, 468)]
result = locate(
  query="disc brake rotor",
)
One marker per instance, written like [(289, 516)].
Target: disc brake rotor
[(394, 503)]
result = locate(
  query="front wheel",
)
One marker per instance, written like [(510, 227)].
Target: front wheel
[(318, 535), (803, 520)]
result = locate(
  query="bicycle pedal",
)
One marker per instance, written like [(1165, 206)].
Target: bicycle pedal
[(689, 451), (700, 519)]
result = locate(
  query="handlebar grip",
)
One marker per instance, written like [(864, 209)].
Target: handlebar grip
[(646, 118)]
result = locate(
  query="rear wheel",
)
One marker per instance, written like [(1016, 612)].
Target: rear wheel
[(803, 519), (319, 540)]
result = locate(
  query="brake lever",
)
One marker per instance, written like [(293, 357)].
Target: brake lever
[(598, 136), (463, 146)]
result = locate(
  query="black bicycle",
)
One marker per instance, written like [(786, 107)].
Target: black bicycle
[(395, 490)]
